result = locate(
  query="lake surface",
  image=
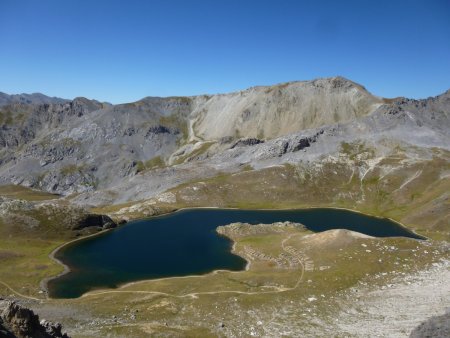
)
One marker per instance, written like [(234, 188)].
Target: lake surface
[(186, 243)]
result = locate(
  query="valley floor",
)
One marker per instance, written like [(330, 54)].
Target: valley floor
[(336, 283)]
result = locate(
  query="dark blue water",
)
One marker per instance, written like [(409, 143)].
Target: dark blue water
[(185, 243)]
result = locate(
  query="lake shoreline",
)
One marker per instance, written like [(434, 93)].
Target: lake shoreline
[(52, 255), (278, 209), (66, 269)]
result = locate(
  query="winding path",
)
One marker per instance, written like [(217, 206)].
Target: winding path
[(17, 292)]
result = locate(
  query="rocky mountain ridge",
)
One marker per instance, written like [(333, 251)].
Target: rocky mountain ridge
[(137, 150), (35, 98)]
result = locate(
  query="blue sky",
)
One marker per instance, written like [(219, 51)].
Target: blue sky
[(121, 51)]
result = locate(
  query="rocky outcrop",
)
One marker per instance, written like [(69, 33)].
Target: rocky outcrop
[(4, 332), (21, 322), (93, 220), (68, 180), (436, 327), (50, 152), (28, 217), (54, 146), (21, 123), (12, 136), (246, 142), (300, 142), (157, 130)]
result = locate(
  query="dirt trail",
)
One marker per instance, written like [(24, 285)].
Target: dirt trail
[(17, 292)]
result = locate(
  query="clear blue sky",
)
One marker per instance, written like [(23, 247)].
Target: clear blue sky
[(121, 51)]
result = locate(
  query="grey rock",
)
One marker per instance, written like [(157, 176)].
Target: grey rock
[(93, 220), (246, 142), (157, 130), (21, 322), (100, 150), (35, 98), (434, 327)]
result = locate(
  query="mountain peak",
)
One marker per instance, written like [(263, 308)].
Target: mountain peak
[(34, 98)]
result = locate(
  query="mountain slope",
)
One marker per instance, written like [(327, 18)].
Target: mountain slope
[(268, 112), (118, 153)]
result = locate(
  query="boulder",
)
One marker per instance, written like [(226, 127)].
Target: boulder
[(19, 321)]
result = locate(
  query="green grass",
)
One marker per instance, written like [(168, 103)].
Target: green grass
[(28, 266), (247, 167), (23, 193), (153, 163), (354, 149), (6, 117), (29, 232), (140, 166)]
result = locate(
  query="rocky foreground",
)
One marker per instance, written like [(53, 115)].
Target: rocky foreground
[(436, 327), (21, 322), (396, 309)]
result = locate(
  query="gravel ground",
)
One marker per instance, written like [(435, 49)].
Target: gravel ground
[(400, 307)]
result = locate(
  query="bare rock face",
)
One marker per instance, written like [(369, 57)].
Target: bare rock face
[(246, 142), (274, 111), (93, 220), (108, 154), (18, 321), (4, 332), (436, 327), (75, 146)]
